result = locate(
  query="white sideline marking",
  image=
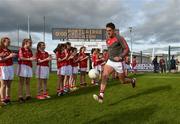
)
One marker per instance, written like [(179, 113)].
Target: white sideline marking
[(160, 77)]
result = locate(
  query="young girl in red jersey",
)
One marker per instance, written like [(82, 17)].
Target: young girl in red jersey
[(68, 74), (42, 70), (83, 65), (61, 56), (100, 63), (6, 70), (134, 64), (70, 68), (94, 64), (24, 70), (74, 68), (126, 63)]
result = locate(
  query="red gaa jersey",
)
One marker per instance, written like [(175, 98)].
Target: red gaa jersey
[(75, 64), (8, 62), (25, 53), (83, 63), (61, 56), (94, 59), (42, 55)]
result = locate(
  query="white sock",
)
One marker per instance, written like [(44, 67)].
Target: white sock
[(101, 94)]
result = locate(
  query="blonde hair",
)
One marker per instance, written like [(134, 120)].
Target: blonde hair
[(2, 42)]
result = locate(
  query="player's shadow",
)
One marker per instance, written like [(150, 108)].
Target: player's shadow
[(79, 92), (135, 116), (87, 90), (137, 75), (148, 91)]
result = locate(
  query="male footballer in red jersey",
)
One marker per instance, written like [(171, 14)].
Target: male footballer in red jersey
[(117, 50)]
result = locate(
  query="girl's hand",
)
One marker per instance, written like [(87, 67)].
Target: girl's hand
[(80, 57), (71, 57), (12, 55), (32, 58), (102, 59), (49, 58)]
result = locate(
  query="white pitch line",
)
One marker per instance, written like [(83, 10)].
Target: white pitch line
[(160, 77)]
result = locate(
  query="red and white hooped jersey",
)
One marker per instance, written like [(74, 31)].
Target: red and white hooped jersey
[(42, 55), (61, 56), (25, 53), (117, 46), (83, 63), (6, 52)]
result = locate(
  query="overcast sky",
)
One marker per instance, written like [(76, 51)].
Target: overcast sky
[(154, 22)]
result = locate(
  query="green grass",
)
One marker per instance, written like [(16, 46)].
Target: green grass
[(155, 100)]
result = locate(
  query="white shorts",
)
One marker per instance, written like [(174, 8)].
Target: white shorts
[(126, 66), (42, 72), (61, 71), (98, 67), (134, 68), (69, 70), (83, 69), (7, 72), (117, 66), (75, 70), (24, 70)]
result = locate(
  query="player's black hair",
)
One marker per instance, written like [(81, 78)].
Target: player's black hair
[(74, 49), (68, 43), (110, 25), (59, 48)]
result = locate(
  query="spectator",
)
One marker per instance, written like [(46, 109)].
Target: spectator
[(173, 65), (162, 65), (156, 64)]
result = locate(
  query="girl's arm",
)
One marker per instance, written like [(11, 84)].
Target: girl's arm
[(44, 60), (8, 57), (84, 58), (59, 59), (24, 58), (77, 60)]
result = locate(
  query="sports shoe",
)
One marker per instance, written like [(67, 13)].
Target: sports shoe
[(47, 96), (28, 98), (40, 97), (21, 100), (96, 84), (3, 103), (66, 90), (98, 98), (75, 88), (7, 101), (133, 82), (60, 94)]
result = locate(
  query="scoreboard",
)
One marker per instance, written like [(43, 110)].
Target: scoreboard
[(76, 33)]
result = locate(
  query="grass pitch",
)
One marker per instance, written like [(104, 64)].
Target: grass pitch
[(155, 100)]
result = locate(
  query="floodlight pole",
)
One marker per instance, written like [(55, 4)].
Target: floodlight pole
[(18, 34), (44, 28), (28, 28)]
